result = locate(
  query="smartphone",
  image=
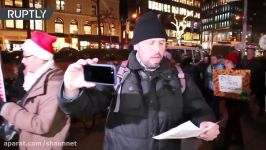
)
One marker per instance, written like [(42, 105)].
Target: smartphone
[(100, 73)]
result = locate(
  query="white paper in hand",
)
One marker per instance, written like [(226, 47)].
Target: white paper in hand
[(185, 130)]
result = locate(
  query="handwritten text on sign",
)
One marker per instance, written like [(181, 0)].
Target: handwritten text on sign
[(230, 84)]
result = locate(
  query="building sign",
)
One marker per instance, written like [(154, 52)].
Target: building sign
[(231, 83)]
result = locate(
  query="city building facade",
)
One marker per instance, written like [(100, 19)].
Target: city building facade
[(73, 22), (222, 21), (169, 9)]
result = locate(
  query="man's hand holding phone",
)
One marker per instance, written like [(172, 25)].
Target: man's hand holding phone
[(74, 77)]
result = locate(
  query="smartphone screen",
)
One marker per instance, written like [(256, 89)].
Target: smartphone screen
[(100, 73)]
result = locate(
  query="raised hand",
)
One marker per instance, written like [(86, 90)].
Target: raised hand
[(74, 77)]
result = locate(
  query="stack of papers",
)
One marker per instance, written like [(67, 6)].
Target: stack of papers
[(185, 130)]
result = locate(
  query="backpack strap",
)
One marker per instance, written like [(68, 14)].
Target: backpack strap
[(122, 69), (181, 77), (122, 74)]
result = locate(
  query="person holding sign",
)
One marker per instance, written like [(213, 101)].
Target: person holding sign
[(233, 133)]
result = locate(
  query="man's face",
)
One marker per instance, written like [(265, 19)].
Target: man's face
[(31, 63), (250, 54), (214, 60), (151, 51)]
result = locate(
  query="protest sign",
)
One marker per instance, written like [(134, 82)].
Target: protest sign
[(2, 84), (231, 83)]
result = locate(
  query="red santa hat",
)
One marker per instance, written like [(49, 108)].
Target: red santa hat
[(232, 57), (40, 45)]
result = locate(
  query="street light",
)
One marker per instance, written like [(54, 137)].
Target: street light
[(134, 15)]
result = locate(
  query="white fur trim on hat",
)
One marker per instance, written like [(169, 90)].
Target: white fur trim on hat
[(36, 50)]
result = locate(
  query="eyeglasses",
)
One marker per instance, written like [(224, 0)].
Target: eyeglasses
[(27, 56)]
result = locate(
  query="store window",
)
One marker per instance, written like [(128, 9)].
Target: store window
[(73, 27), (59, 25)]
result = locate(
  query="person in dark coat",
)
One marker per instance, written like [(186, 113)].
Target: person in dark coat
[(17, 89), (148, 102), (257, 80)]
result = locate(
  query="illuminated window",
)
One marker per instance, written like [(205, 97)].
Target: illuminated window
[(73, 26), (175, 10), (36, 3), (183, 11), (36, 24), (112, 29), (60, 5), (17, 24), (1, 26), (183, 1), (9, 3), (175, 0), (197, 15), (10, 24), (150, 4), (160, 7), (87, 27), (190, 2), (59, 25), (102, 29), (93, 10), (78, 8), (16, 3)]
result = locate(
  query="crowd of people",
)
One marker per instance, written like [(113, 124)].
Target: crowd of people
[(146, 102), (234, 108)]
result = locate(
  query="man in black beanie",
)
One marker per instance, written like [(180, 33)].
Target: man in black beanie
[(148, 101)]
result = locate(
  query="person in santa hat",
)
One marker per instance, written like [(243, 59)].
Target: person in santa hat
[(233, 132), (38, 116)]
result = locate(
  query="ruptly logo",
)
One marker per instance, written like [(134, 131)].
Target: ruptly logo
[(25, 14)]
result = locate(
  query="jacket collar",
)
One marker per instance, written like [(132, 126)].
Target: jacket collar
[(38, 87)]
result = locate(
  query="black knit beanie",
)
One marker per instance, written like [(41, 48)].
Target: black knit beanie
[(147, 27)]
